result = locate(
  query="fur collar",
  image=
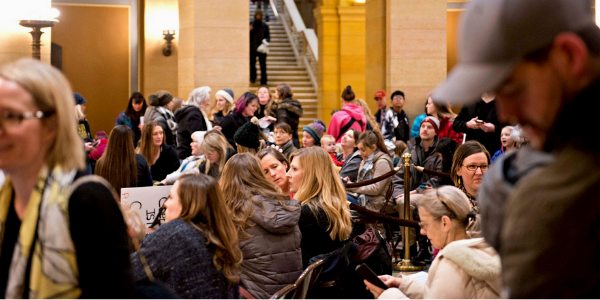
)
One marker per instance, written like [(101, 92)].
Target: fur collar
[(291, 105), (467, 254)]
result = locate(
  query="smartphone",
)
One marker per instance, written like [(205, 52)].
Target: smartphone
[(96, 143), (371, 277), (479, 121)]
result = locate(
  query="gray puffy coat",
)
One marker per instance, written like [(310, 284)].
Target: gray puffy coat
[(272, 255)]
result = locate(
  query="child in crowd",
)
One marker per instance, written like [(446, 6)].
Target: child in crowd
[(99, 150), (508, 143), (328, 144), (400, 148), (283, 139)]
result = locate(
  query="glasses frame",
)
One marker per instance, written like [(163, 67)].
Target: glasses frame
[(483, 169), (24, 116)]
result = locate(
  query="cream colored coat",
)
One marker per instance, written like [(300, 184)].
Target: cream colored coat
[(467, 269)]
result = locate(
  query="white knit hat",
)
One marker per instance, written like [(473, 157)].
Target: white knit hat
[(227, 94)]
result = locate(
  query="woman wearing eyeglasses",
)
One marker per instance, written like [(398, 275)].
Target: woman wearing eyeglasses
[(470, 163), (466, 267), (62, 235)]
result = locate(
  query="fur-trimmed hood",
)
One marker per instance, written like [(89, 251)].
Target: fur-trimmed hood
[(475, 257), (292, 106)]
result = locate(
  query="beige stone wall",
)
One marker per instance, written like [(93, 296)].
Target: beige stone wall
[(415, 50), (352, 48), (375, 55), (213, 45), (328, 31), (160, 72)]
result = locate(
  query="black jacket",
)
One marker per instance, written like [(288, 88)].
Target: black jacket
[(167, 163), (315, 234), (259, 32), (189, 120), (230, 124), (144, 178), (289, 111), (483, 111)]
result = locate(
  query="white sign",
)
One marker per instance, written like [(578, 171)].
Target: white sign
[(146, 201)]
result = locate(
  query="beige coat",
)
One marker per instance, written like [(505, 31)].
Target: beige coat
[(382, 163), (467, 269)]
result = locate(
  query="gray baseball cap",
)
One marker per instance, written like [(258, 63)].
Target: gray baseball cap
[(495, 35)]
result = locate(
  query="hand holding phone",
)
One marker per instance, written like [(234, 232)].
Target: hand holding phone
[(371, 277)]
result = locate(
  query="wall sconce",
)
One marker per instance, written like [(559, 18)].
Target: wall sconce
[(169, 36), (48, 19)]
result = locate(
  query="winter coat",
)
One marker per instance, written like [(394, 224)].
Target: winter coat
[(499, 182), (343, 117), (483, 111), (396, 126), (187, 164), (178, 255), (214, 169), (230, 124), (447, 130), (380, 115), (272, 255), (315, 234), (124, 119), (430, 161), (189, 120), (382, 163), (97, 153), (217, 117), (166, 163), (289, 111), (464, 269), (416, 127), (288, 149), (83, 127), (259, 32), (144, 178), (166, 121), (351, 165)]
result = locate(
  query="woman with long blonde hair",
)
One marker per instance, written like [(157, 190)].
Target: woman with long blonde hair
[(267, 224), (223, 106), (325, 217), (217, 151), (196, 252)]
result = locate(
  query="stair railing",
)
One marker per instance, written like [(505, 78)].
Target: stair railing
[(304, 40)]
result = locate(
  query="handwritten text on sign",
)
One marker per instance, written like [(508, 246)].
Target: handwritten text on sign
[(146, 201)]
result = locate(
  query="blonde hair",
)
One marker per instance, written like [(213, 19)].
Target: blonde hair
[(322, 188), (79, 113), (327, 137), (52, 94), (213, 108), (451, 202), (211, 143)]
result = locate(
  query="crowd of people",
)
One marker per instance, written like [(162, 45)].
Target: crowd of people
[(252, 204)]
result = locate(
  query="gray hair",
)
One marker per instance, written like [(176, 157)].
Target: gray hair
[(199, 96)]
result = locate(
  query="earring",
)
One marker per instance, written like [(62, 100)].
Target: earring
[(459, 181)]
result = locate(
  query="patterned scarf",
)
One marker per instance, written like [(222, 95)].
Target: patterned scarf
[(472, 199), (44, 234), (365, 174)]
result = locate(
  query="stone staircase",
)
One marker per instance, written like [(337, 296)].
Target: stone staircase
[(284, 67)]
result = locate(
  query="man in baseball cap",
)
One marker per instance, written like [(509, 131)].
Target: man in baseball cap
[(381, 106), (542, 59)]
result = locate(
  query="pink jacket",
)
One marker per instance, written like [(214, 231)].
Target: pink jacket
[(446, 131), (96, 154), (342, 117)]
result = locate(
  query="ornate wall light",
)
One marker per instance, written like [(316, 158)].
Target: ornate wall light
[(36, 23), (169, 35)]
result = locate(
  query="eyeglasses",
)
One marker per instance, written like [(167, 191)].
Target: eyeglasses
[(475, 167), (9, 119), (398, 98)]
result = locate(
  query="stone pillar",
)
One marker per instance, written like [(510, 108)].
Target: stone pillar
[(415, 50), (375, 57), (160, 72), (214, 45), (328, 31), (352, 48)]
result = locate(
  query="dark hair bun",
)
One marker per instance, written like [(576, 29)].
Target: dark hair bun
[(348, 94)]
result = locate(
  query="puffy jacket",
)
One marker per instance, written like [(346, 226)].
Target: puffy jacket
[(431, 161), (464, 269), (342, 117), (289, 111), (382, 163), (350, 166), (447, 131), (272, 255), (189, 120)]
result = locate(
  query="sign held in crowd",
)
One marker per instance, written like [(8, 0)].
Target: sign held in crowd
[(146, 201)]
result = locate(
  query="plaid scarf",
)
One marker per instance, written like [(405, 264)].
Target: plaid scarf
[(365, 174)]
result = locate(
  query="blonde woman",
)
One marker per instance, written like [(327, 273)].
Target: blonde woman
[(325, 217), (196, 251), (161, 157), (223, 105), (45, 204), (217, 152), (465, 268), (267, 224)]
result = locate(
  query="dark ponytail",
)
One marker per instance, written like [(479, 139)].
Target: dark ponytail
[(348, 94)]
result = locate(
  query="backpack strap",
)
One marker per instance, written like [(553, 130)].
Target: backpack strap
[(346, 127)]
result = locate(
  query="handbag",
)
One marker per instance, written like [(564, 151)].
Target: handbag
[(264, 47)]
